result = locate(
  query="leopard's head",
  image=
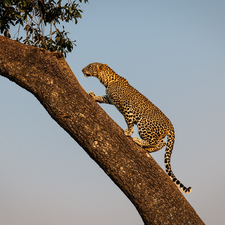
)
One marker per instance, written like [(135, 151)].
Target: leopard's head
[(93, 69), (102, 71)]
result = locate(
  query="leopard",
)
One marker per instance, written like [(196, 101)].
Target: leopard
[(153, 125)]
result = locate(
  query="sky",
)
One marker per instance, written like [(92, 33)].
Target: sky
[(173, 52)]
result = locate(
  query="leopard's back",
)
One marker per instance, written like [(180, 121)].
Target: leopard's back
[(126, 98)]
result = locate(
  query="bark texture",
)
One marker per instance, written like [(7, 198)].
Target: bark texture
[(50, 79)]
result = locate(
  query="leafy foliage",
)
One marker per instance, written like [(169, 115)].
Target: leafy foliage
[(34, 16)]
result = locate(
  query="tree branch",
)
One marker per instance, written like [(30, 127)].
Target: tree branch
[(134, 171)]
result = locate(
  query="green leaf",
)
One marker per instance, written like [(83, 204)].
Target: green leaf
[(35, 16)]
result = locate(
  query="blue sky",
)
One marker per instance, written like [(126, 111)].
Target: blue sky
[(171, 51)]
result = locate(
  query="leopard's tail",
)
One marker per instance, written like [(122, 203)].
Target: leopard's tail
[(169, 149)]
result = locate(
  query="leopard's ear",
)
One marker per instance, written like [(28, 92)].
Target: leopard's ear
[(102, 67)]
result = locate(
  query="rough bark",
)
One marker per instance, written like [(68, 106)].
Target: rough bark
[(50, 79)]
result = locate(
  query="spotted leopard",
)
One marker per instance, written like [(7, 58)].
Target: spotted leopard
[(153, 125)]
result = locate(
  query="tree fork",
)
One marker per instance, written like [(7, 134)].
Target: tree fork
[(49, 78)]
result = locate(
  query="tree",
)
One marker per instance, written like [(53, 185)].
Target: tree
[(49, 78)]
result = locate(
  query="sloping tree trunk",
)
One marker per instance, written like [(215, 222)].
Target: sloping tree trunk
[(49, 78)]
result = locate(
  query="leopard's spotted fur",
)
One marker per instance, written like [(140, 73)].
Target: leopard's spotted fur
[(153, 125)]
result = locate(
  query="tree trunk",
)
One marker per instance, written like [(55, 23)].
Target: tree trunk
[(133, 170)]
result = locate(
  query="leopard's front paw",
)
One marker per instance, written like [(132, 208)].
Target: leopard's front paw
[(92, 94), (129, 132)]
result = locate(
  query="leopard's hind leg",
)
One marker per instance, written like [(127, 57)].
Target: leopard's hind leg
[(148, 146)]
